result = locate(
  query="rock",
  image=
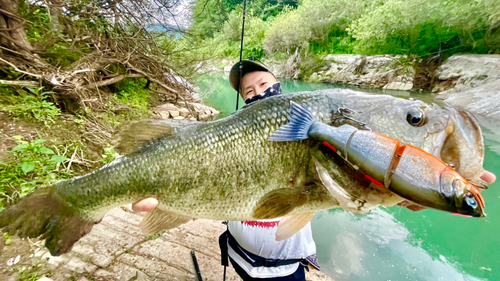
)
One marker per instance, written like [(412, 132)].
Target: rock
[(227, 69), (102, 260), (203, 116), (174, 113), (164, 114), (483, 100), (343, 59), (179, 118), (471, 66), (472, 83), (163, 111), (167, 107), (184, 112), (215, 112), (43, 278), (467, 70), (393, 72), (398, 86)]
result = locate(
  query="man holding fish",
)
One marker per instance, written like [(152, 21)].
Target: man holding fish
[(250, 242), (230, 170)]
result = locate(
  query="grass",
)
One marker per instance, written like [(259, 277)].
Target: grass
[(30, 106), (31, 164)]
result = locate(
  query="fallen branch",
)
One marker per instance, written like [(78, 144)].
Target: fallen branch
[(27, 84), (117, 79), (151, 78), (19, 70)]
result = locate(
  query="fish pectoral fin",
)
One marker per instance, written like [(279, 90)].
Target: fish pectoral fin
[(279, 202), (292, 224), (346, 200), (159, 219)]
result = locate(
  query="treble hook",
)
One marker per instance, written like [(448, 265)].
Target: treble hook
[(344, 112)]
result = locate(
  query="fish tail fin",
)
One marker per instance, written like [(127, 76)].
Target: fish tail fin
[(43, 214), (300, 121)]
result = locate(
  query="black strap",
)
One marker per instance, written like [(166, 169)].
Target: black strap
[(253, 259), (223, 248)]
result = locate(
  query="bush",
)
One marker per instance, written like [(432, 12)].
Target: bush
[(318, 23), (423, 27), (286, 33), (32, 107), (226, 43)]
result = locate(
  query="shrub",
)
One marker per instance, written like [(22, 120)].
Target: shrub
[(32, 164)]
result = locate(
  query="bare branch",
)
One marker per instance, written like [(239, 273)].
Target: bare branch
[(28, 84), (117, 79), (19, 70)]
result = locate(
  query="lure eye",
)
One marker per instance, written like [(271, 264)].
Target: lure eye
[(415, 117), (471, 201)]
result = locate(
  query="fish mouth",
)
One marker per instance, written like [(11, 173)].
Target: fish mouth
[(462, 146)]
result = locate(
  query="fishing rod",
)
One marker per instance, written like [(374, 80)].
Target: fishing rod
[(240, 70), (196, 268)]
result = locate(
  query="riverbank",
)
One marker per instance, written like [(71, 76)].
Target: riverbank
[(470, 81)]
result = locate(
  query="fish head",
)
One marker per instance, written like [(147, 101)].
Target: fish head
[(463, 197), (451, 135)]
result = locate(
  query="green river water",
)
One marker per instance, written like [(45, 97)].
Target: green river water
[(395, 243)]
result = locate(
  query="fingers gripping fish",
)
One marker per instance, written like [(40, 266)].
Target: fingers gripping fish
[(403, 169)]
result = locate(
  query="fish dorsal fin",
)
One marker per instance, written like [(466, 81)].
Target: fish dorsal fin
[(292, 224), (136, 134), (279, 202), (297, 128), (159, 219)]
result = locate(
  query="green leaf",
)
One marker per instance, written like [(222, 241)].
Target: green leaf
[(39, 141), (58, 158), (8, 242), (27, 167), (6, 235), (46, 150), (20, 147)]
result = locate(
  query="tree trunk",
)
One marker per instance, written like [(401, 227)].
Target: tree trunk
[(12, 31)]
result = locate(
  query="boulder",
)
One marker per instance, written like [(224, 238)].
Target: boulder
[(381, 71), (398, 86), (184, 112), (469, 70), (481, 100), (174, 113)]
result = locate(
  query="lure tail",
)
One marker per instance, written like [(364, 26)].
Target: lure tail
[(43, 214)]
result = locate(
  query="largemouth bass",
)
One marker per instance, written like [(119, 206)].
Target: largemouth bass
[(229, 170)]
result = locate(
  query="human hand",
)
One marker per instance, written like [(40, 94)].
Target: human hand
[(487, 176), (145, 205)]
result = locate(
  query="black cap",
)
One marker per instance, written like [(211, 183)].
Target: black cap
[(247, 67)]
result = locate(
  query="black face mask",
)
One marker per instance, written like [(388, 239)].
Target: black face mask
[(273, 90)]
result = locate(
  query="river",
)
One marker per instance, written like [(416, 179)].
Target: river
[(395, 243)]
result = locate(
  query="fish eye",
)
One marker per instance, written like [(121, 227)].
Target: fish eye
[(471, 201), (415, 117)]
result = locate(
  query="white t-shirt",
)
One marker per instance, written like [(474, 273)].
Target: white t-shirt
[(258, 237)]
